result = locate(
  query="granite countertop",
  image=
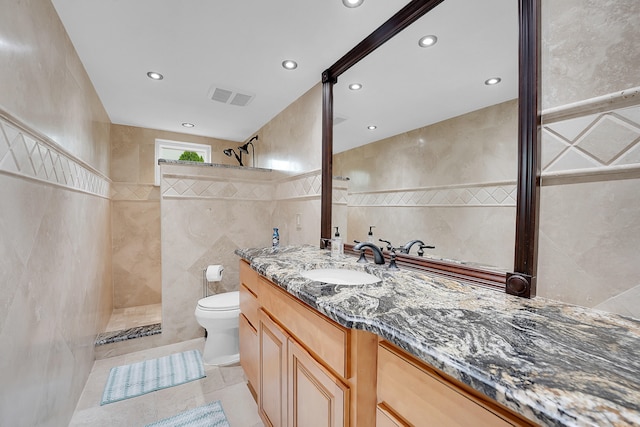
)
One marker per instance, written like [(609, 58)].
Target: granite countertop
[(208, 165), (554, 363)]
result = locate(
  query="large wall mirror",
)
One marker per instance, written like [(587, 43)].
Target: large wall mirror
[(452, 158)]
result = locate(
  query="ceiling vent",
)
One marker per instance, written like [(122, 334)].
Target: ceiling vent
[(230, 96)]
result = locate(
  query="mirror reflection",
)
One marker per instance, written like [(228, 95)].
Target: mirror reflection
[(428, 145)]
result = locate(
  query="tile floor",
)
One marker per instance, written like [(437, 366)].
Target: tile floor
[(227, 384), (131, 317)]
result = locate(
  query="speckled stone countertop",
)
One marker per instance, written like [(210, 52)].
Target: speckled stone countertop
[(554, 363)]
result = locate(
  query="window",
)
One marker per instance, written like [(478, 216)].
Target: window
[(172, 150)]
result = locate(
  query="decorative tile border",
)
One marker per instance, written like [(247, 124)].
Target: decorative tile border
[(596, 135), (297, 187), (25, 153), (492, 194), (215, 188), (303, 186)]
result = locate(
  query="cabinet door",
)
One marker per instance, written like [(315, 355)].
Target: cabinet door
[(249, 352), (272, 395), (316, 397)]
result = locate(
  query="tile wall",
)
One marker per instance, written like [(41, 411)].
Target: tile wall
[(589, 205), (292, 143), (597, 57), (207, 212), (55, 157), (55, 225), (590, 210), (136, 211)]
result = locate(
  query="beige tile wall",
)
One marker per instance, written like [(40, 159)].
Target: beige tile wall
[(590, 219), (595, 57), (55, 245), (292, 140), (136, 210), (45, 86), (589, 216), (208, 212), (451, 184)]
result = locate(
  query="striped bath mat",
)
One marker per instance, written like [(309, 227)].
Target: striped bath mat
[(210, 415), (140, 378)]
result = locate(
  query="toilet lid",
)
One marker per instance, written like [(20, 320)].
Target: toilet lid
[(220, 302)]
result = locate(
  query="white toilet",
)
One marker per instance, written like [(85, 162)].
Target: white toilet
[(219, 315)]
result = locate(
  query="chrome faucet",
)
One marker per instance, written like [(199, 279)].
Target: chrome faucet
[(406, 248), (378, 258)]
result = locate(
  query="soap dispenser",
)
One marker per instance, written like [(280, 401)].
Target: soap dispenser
[(337, 247), (370, 235)]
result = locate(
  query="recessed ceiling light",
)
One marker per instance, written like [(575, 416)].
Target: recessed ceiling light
[(289, 64), (188, 125), (355, 86), (352, 3), (428, 41), (492, 81), (155, 76), (372, 127)]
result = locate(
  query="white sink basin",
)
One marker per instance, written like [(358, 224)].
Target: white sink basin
[(339, 276)]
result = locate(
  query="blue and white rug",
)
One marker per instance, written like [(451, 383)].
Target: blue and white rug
[(211, 415), (144, 377)]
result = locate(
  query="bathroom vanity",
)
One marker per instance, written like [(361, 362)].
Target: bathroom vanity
[(299, 363), (418, 349)]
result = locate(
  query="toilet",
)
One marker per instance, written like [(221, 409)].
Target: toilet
[(219, 315)]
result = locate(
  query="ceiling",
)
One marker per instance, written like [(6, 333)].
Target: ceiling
[(240, 45), (199, 44), (405, 86)]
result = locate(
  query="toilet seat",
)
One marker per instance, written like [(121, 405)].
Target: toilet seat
[(220, 302)]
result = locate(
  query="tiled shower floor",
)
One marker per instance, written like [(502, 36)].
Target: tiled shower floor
[(133, 317)]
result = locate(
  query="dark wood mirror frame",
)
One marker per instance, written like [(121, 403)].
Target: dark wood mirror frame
[(522, 281)]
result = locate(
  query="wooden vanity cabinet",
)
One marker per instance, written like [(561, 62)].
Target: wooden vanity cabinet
[(248, 326), (310, 370), (296, 390), (273, 356), (411, 393), (316, 397)]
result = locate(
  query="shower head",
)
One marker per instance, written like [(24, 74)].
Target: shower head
[(229, 151), (245, 149)]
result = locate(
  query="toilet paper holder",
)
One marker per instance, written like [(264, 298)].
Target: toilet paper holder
[(213, 273)]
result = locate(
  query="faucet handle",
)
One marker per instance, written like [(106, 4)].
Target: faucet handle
[(326, 243), (423, 247), (392, 260), (389, 246)]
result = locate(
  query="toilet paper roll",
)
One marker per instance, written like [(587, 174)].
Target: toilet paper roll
[(214, 273)]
